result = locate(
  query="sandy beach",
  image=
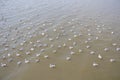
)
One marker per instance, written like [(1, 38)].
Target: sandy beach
[(59, 39)]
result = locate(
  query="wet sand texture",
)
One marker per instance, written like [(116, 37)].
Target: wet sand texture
[(59, 40)]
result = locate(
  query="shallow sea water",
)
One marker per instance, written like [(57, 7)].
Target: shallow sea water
[(79, 38)]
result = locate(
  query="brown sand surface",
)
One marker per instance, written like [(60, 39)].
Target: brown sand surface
[(59, 40)]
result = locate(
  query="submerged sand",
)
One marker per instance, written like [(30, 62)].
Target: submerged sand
[(60, 40)]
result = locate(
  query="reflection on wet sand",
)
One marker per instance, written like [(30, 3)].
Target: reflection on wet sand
[(64, 43)]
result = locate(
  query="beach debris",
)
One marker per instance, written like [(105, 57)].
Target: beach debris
[(80, 50), (37, 55), (46, 56), (74, 43), (19, 63), (88, 46), (27, 53), (27, 61), (72, 52), (43, 34), (64, 45), (92, 52), (86, 42), (114, 44), (52, 65), (112, 60), (3, 65), (117, 49), (75, 36), (8, 54), (54, 51), (96, 38), (106, 49), (68, 58), (95, 64), (99, 56), (112, 32), (70, 47), (37, 60), (54, 30), (50, 39), (32, 49), (17, 55)]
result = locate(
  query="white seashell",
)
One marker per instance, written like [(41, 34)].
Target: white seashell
[(92, 52), (72, 52), (96, 38), (88, 30), (32, 49), (75, 36), (99, 31), (112, 32), (17, 55), (34, 45), (70, 47), (12, 39), (71, 30), (59, 46), (27, 53), (80, 34), (68, 58), (6, 49), (43, 24), (42, 50), (21, 44), (37, 55), (9, 54), (54, 51), (87, 46), (89, 39), (86, 42), (3, 57), (114, 44), (95, 64), (46, 56), (51, 45), (98, 26), (28, 28), (64, 45), (80, 50), (42, 34), (37, 60), (38, 41), (40, 45), (106, 49), (45, 45), (89, 34), (112, 60), (117, 49), (3, 65), (21, 49), (74, 43), (69, 39), (50, 39), (26, 61), (52, 65), (19, 63), (54, 30), (30, 42), (57, 37), (99, 56)]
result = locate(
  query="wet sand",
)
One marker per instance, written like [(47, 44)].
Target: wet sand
[(59, 40)]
